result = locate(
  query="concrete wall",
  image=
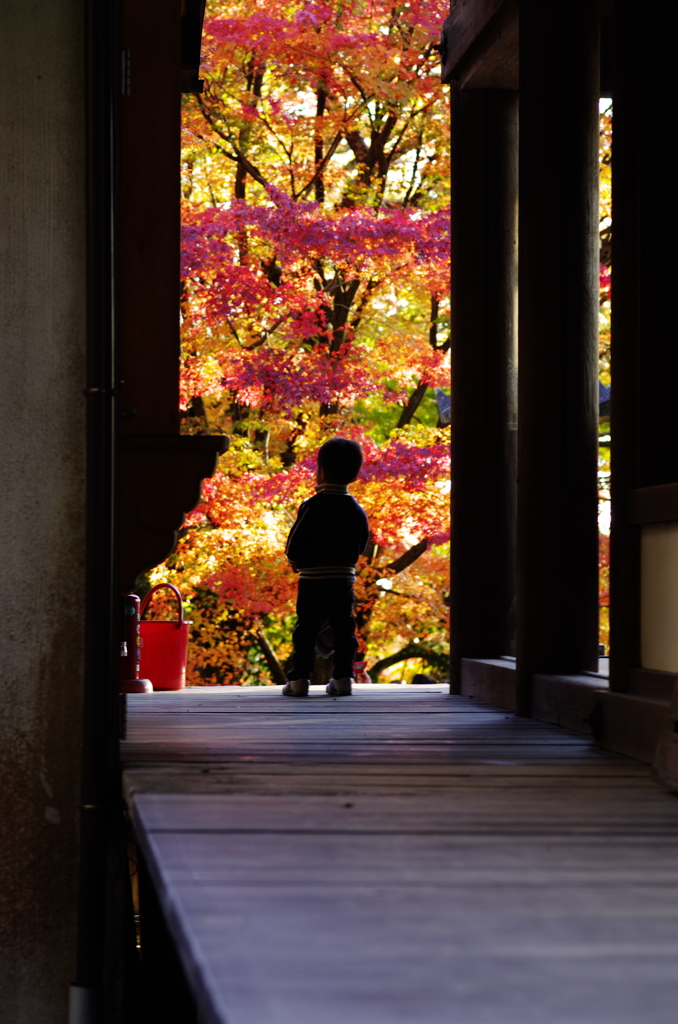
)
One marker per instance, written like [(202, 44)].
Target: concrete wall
[(659, 597), (42, 498)]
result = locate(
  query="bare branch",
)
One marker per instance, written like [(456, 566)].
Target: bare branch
[(237, 154), (321, 166), (275, 668), (358, 145), (405, 560), (410, 651), (371, 285), (234, 331), (412, 404)]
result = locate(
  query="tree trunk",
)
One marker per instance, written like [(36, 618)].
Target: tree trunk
[(321, 97), (277, 671), (412, 404), (438, 661)]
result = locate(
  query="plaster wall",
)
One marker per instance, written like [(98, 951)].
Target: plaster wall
[(42, 498), (659, 597)]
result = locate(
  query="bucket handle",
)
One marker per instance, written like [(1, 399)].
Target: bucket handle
[(159, 586)]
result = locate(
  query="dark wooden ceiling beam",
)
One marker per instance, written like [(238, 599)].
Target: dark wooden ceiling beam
[(481, 44), (192, 17), (657, 504)]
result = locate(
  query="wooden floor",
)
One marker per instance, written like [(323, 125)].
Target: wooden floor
[(403, 857)]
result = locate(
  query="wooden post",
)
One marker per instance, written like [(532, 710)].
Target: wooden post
[(624, 538), (558, 310), (150, 155), (484, 314), (643, 423), (160, 470)]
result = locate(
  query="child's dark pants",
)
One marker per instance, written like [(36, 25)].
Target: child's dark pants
[(318, 600)]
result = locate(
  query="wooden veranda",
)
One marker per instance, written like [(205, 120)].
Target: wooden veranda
[(405, 856)]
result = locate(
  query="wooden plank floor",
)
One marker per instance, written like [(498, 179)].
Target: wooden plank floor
[(403, 857)]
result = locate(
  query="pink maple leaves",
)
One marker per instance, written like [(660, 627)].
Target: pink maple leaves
[(284, 354), (605, 283)]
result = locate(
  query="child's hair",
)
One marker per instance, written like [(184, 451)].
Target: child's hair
[(341, 460)]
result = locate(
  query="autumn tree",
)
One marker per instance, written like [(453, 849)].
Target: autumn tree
[(314, 302)]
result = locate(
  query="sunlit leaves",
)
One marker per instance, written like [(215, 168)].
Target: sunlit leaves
[(315, 270)]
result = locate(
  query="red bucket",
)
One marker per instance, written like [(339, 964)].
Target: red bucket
[(164, 646)]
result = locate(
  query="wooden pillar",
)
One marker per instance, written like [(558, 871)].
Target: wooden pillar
[(644, 426), (558, 312), (484, 338), (160, 470), (625, 539)]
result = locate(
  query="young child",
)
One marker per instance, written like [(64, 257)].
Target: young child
[(329, 535)]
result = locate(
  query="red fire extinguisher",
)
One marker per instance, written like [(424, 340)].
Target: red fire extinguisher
[(130, 649)]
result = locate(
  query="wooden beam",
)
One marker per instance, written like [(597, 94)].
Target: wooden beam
[(648, 682), (466, 21), (160, 481), (493, 63), (481, 44), (192, 18), (653, 504)]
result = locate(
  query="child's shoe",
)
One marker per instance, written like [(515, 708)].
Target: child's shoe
[(340, 687), (296, 688)]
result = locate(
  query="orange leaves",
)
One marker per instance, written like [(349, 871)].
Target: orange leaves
[(315, 274)]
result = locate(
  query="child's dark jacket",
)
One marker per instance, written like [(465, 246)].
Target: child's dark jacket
[(329, 535)]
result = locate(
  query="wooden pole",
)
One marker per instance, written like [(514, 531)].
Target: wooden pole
[(644, 427), (484, 338), (558, 311), (624, 538)]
